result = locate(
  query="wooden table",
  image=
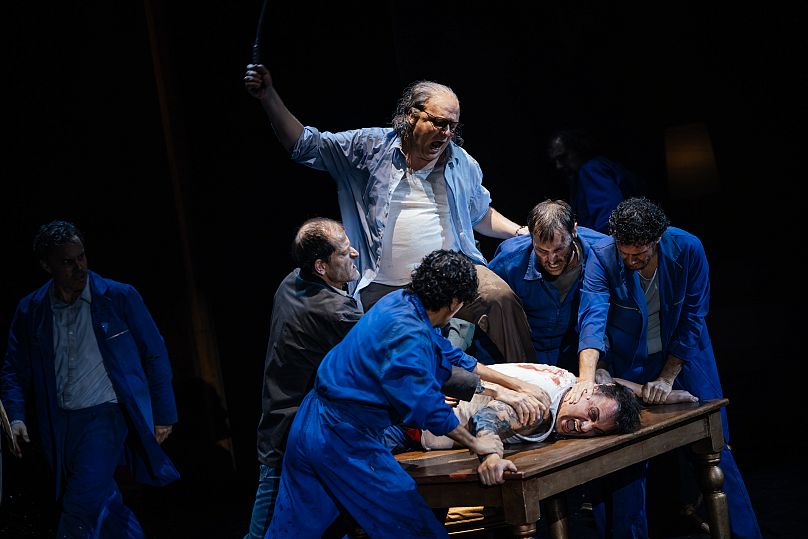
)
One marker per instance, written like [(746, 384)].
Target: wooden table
[(546, 470)]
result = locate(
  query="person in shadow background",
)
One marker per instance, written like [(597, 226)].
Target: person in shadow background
[(596, 183), (85, 355)]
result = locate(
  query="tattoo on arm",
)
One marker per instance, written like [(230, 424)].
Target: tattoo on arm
[(497, 418)]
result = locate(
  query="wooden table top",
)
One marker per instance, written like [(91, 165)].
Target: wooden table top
[(532, 459)]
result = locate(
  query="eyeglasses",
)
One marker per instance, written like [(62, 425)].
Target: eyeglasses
[(441, 124)]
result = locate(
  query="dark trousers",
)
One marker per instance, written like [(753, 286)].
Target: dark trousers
[(742, 520), (618, 503), (92, 506)]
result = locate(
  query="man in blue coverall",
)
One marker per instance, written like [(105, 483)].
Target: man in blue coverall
[(312, 312), (545, 270), (86, 352), (387, 370), (644, 300)]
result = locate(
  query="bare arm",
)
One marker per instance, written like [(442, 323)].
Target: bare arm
[(484, 444), (587, 367), (492, 469), (603, 376), (500, 419), (656, 391), (496, 225), (675, 396), (495, 377), (528, 400), (287, 128)]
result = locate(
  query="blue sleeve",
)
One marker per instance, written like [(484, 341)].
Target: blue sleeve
[(409, 384), (593, 311), (687, 335), (480, 199), (15, 376), (153, 357), (497, 263), (455, 355), (341, 154)]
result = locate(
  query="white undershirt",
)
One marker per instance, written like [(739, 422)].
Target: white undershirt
[(650, 288), (419, 222)]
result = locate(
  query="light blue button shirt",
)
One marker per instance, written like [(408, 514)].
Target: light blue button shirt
[(367, 165), (81, 378)]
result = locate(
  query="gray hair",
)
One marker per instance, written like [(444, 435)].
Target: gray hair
[(415, 96)]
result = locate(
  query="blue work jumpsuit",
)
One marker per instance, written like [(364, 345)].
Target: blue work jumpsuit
[(387, 370), (553, 322), (613, 319)]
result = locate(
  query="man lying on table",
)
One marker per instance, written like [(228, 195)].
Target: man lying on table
[(612, 408)]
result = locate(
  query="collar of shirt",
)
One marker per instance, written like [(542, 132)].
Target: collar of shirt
[(419, 307), (309, 276), (532, 273), (57, 303)]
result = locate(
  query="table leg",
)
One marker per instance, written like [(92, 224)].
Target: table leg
[(523, 531), (711, 479), (556, 514)]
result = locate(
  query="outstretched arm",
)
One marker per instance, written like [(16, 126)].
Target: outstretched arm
[(673, 397), (587, 367), (657, 391), (287, 128), (496, 225), (484, 444), (487, 446)]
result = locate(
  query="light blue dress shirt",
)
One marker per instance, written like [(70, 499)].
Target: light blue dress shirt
[(367, 165), (81, 378)]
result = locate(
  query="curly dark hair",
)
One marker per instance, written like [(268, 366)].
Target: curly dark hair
[(443, 276), (637, 221), (415, 97), (55, 234), (627, 418), (315, 241)]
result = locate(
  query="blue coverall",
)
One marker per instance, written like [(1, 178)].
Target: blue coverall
[(84, 448), (613, 319), (387, 370), (601, 184), (552, 322)]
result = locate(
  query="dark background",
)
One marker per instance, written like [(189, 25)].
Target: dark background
[(144, 136)]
